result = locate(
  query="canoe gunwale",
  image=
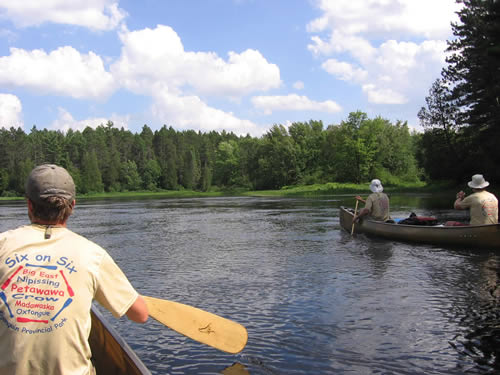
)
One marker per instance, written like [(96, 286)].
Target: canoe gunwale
[(111, 355)]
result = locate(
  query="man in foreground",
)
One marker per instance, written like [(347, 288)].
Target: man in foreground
[(482, 204), (376, 205), (49, 276)]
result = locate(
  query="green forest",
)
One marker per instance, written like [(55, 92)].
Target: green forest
[(460, 120), (111, 159)]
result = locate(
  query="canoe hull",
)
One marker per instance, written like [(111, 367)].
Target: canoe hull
[(111, 355), (476, 236)]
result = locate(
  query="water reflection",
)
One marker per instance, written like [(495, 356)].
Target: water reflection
[(379, 252), (314, 299), (480, 336), (235, 369)]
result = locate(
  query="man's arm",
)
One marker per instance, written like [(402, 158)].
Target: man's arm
[(138, 312), (358, 197), (460, 198), (363, 212)]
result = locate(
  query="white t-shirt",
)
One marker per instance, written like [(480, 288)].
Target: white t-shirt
[(378, 204), (483, 208), (47, 288)]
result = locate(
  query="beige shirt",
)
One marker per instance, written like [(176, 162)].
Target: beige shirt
[(47, 287), (483, 208), (378, 204)]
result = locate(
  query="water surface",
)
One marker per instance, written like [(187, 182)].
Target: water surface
[(314, 299)]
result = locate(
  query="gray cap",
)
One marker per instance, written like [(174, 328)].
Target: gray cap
[(48, 180)]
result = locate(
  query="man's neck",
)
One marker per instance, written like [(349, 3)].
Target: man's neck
[(49, 223)]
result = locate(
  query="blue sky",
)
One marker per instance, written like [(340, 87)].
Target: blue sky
[(234, 65)]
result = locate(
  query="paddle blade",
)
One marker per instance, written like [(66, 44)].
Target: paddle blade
[(199, 325)]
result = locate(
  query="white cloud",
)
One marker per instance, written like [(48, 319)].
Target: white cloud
[(154, 62), (383, 95), (339, 42), (189, 112), (379, 18), (64, 71), (65, 121), (344, 71), (381, 47), (293, 102), (93, 14), (10, 111), (299, 85), (151, 56), (406, 68)]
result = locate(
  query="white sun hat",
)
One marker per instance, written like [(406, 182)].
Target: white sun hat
[(376, 186), (478, 182)]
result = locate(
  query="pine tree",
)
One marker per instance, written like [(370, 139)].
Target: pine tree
[(91, 175), (474, 75), (474, 65)]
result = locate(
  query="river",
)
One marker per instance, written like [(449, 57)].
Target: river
[(314, 299)]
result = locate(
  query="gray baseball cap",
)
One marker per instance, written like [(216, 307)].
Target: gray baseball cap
[(48, 180)]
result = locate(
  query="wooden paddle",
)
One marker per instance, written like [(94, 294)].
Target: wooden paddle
[(355, 211), (199, 325)]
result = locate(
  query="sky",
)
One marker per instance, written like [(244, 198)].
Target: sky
[(211, 65)]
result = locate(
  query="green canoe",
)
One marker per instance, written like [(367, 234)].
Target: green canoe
[(473, 236), (111, 355)]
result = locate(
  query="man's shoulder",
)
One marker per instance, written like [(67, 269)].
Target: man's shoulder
[(15, 232), (28, 232), (379, 196), (79, 239), (491, 195), (481, 195)]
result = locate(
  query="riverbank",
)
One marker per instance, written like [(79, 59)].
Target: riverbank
[(334, 188), (331, 188), (140, 194)]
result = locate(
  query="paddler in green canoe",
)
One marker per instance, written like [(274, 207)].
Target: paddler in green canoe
[(49, 277), (376, 205), (483, 205)]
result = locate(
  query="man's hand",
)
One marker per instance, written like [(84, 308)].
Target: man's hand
[(460, 198)]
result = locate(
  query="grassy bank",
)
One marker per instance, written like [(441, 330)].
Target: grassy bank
[(151, 194), (331, 188), (334, 188), (140, 195)]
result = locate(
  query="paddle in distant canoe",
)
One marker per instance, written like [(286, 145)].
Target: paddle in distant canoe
[(475, 236)]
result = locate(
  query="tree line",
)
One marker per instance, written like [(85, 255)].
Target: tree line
[(111, 159), (462, 115)]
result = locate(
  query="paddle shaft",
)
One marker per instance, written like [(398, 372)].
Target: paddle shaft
[(199, 325), (355, 212)]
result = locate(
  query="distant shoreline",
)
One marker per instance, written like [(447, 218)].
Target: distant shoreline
[(331, 188)]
